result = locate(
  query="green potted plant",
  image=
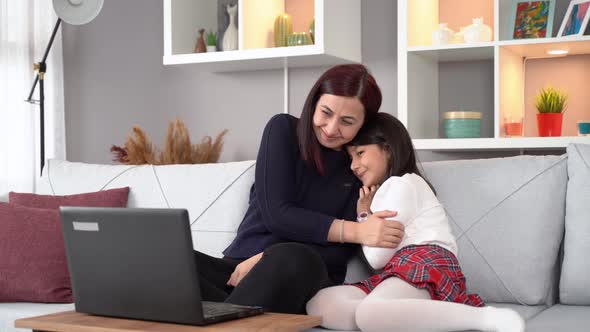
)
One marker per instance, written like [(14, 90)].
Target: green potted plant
[(550, 104), (211, 41)]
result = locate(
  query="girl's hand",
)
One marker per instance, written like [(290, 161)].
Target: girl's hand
[(242, 270), (366, 195), (379, 232)]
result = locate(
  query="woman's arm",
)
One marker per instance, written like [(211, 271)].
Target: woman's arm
[(377, 231)]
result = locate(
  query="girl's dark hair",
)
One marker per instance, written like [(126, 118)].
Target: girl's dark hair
[(353, 80), (392, 136)]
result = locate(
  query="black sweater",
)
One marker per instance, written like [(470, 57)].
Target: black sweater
[(291, 202)]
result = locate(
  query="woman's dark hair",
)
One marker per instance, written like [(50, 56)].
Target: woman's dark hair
[(353, 80), (392, 136)]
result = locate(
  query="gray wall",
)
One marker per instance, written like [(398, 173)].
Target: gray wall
[(114, 78)]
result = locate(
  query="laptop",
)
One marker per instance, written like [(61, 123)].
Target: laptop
[(139, 264)]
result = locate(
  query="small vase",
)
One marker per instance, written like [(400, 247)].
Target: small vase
[(477, 32), (298, 39), (283, 28), (211, 48), (230, 36), (549, 124), (200, 47), (513, 126), (442, 35), (583, 128)]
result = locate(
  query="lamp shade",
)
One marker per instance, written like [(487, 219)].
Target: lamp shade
[(77, 12)]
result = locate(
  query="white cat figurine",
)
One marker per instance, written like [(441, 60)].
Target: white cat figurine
[(230, 37)]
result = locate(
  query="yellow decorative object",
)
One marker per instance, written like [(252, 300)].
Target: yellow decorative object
[(283, 29)]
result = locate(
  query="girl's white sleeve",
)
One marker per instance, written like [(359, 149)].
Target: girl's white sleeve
[(395, 194)]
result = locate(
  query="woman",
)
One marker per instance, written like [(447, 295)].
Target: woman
[(297, 234)]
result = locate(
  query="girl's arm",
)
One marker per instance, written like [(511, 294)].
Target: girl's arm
[(396, 194)]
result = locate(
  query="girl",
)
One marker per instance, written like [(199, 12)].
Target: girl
[(302, 207), (422, 268)]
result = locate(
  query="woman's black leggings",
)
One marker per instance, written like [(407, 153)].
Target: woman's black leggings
[(285, 278)]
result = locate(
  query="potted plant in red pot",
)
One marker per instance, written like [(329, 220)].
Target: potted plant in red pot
[(551, 105)]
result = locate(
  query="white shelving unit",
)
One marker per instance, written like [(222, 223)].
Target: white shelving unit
[(489, 77), (337, 34)]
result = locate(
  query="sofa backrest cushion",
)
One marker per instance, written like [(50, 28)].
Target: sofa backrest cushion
[(216, 195), (508, 217), (574, 285), (33, 265)]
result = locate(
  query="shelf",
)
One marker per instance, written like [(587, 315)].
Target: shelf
[(255, 21), (523, 47), (537, 48), (498, 143), (455, 52), (259, 59), (499, 78)]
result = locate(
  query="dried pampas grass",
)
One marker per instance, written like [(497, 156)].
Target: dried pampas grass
[(178, 149)]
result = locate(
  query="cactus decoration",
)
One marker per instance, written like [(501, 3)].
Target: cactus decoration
[(283, 29)]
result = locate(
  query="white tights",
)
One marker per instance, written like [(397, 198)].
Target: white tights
[(395, 305)]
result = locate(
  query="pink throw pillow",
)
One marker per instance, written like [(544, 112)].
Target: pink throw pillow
[(33, 266), (104, 198)]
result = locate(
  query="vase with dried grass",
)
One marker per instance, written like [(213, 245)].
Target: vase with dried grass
[(139, 150)]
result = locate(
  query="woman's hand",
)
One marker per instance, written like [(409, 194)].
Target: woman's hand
[(366, 195), (242, 270), (379, 232)]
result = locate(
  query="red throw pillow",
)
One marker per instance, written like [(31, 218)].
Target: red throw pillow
[(104, 198), (33, 266)]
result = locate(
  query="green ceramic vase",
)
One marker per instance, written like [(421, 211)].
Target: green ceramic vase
[(298, 39)]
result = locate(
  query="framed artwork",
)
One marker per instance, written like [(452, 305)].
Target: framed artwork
[(576, 18), (532, 19)]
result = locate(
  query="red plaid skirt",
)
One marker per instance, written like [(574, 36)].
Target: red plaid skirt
[(429, 267)]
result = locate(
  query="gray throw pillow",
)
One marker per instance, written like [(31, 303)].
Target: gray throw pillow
[(508, 217), (574, 286)]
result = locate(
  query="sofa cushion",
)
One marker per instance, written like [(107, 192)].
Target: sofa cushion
[(3, 197), (561, 318), (9, 312), (574, 286), (104, 198), (216, 195), (32, 256), (508, 217)]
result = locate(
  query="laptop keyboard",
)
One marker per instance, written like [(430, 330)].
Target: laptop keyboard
[(213, 309)]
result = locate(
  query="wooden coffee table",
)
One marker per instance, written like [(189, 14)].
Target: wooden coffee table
[(71, 321)]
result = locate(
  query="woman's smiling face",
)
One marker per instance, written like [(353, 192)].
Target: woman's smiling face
[(337, 120)]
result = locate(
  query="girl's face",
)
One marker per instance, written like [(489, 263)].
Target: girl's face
[(337, 119), (369, 163)]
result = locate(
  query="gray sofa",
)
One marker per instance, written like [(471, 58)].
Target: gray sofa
[(523, 230), (522, 224)]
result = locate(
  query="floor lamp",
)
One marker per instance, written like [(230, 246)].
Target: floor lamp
[(75, 12)]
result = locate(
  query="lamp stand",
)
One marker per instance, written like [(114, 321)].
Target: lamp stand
[(41, 69)]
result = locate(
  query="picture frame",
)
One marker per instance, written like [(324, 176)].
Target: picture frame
[(575, 19), (532, 19)]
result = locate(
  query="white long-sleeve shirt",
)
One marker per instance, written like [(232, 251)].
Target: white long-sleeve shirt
[(418, 210)]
